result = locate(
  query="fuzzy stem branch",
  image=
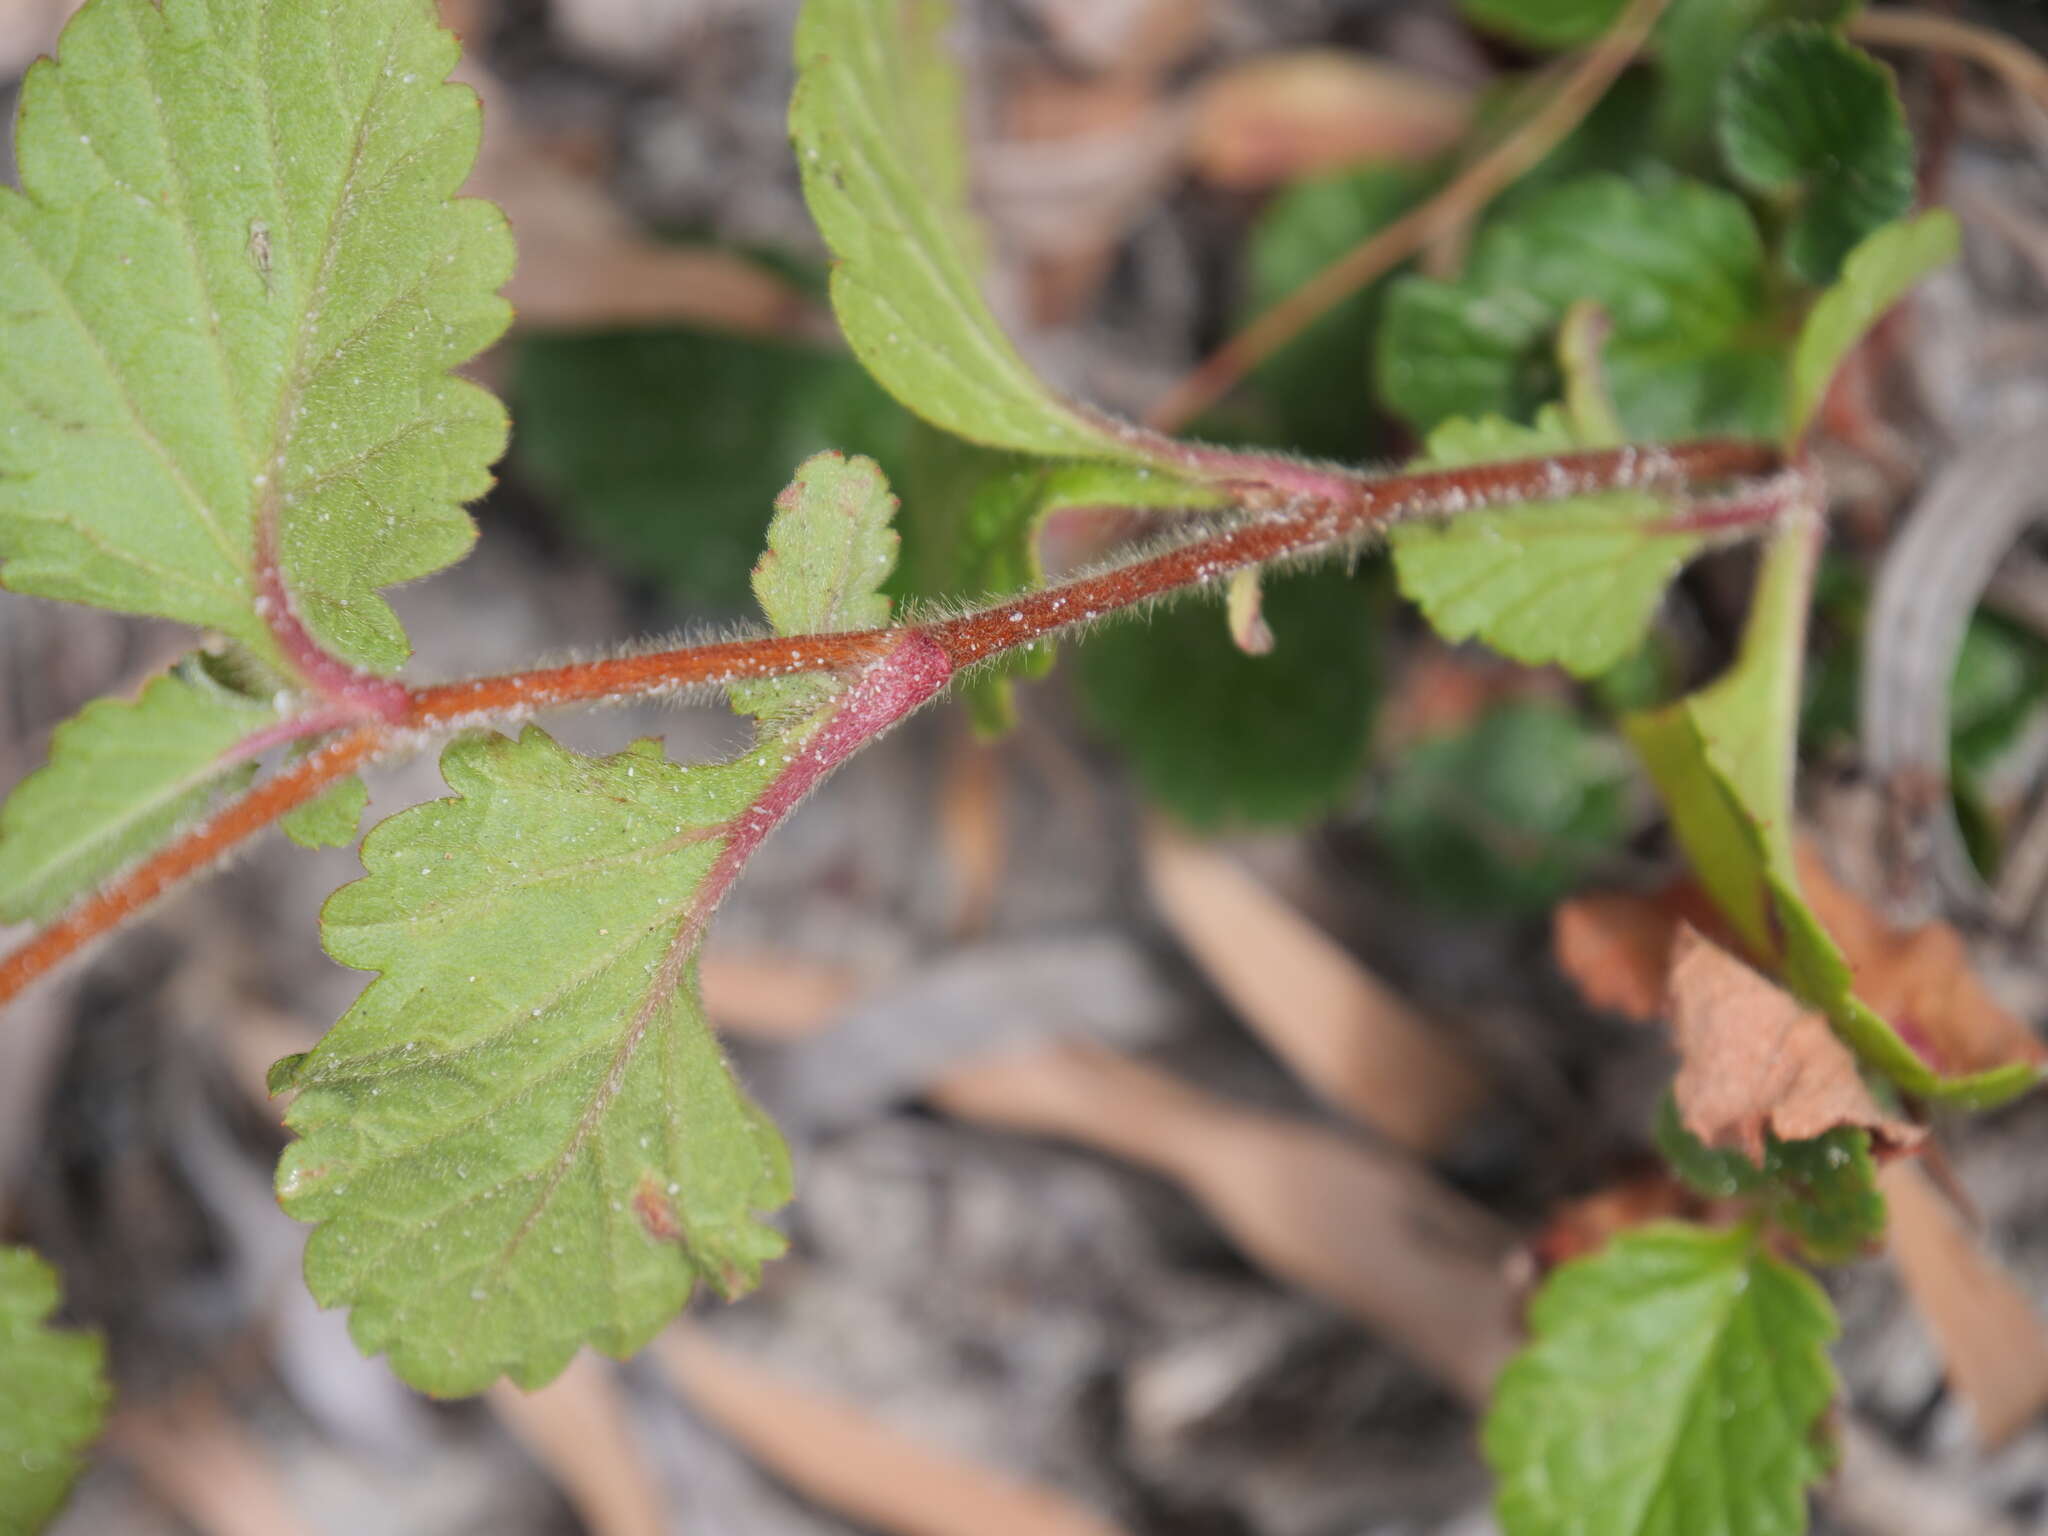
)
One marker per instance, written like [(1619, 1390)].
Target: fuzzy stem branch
[(1299, 527)]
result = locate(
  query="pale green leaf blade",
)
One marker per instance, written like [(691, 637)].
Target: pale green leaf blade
[(523, 1137), (53, 1395), (1574, 582), (1813, 121), (330, 821), (231, 292), (1875, 276), (122, 777), (877, 127), (1673, 1387)]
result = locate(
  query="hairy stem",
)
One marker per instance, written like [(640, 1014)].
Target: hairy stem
[(921, 657)]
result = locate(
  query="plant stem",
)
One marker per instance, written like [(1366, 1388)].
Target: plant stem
[(1300, 527)]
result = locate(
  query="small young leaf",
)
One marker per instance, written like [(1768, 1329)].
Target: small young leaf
[(1875, 276), (1675, 1382), (1811, 120), (1678, 270), (1574, 582), (523, 1137), (1222, 738), (1506, 816), (257, 354), (681, 497), (122, 777), (53, 1395), (877, 127), (332, 820), (1823, 1191)]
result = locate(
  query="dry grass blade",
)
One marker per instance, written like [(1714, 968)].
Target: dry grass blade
[(1367, 1230), (1993, 1342), (1450, 209), (834, 1454), (202, 1463), (973, 833), (1339, 1028), (580, 1428)]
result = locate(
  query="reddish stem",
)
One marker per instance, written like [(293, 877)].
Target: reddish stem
[(905, 666), (360, 695), (201, 847)]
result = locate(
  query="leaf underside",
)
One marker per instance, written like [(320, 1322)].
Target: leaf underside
[(878, 131), (231, 291), (524, 1137), (122, 777)]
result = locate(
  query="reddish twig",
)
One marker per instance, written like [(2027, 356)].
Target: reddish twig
[(1300, 527)]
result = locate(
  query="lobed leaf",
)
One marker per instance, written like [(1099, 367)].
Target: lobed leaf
[(231, 291), (1674, 1384), (1874, 277), (523, 1137), (1576, 582), (877, 128), (122, 777), (53, 1395), (1680, 272), (1812, 121)]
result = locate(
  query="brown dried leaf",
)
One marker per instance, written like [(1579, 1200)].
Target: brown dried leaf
[(1616, 947), (1752, 1059), (1285, 116)]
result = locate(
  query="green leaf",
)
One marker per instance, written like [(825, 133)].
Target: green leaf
[(1723, 762), (1875, 276), (1812, 121), (1222, 738), (53, 1395), (1507, 815), (1679, 271), (330, 821), (1318, 387), (122, 777), (1544, 23), (1675, 1384), (1823, 1191), (682, 496), (878, 132), (231, 292), (1575, 582), (523, 1137)]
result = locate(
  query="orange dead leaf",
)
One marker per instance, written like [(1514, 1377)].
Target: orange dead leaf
[(1751, 1060), (1616, 946)]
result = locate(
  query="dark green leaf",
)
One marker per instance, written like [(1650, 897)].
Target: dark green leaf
[(1506, 815), (1219, 737), (1812, 121), (1319, 386), (666, 448), (1679, 271)]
